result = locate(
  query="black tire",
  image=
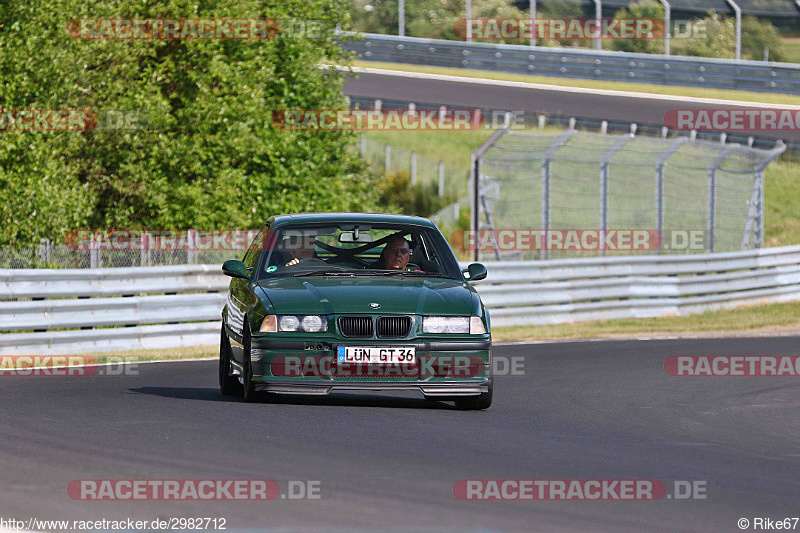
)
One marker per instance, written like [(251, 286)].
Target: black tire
[(248, 387), (228, 385), (474, 403)]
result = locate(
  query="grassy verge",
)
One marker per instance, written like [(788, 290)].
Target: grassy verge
[(743, 321), (190, 352), (698, 92), (791, 46)]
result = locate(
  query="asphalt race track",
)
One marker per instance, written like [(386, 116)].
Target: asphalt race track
[(637, 109), (582, 410)]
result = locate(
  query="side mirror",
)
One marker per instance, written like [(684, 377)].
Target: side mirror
[(475, 272), (235, 269)]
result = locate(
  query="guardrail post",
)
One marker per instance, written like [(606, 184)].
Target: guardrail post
[(660, 162), (388, 164), (413, 168), (363, 145)]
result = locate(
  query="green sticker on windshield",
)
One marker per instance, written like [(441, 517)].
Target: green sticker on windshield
[(272, 269)]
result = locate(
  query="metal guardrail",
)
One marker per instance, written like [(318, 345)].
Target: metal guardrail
[(517, 293), (575, 290), (584, 64), (533, 120), (115, 308)]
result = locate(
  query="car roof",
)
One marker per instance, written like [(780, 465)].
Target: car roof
[(367, 218)]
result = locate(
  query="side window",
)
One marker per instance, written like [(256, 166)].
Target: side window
[(256, 248)]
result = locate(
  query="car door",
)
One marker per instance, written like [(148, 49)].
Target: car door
[(241, 295)]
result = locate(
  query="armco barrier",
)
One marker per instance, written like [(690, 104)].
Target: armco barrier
[(120, 308), (576, 290), (584, 64), (41, 309)]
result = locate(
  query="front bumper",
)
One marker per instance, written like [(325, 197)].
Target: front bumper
[(444, 368)]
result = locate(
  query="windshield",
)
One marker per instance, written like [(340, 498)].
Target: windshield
[(357, 249)]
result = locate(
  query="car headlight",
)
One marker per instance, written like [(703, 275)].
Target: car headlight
[(306, 323), (445, 324)]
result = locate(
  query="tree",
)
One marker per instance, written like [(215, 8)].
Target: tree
[(642, 9), (204, 153)]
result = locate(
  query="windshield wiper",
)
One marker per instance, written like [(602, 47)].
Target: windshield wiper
[(427, 274), (349, 273)]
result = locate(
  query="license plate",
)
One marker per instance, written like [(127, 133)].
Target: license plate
[(376, 354)]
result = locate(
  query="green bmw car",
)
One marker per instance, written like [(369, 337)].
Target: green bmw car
[(354, 302)]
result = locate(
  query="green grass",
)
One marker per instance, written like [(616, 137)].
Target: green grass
[(190, 352), (698, 92), (762, 319), (791, 47)]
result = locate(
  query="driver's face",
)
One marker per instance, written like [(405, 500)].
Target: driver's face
[(397, 255)]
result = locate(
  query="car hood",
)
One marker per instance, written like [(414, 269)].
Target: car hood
[(354, 295)]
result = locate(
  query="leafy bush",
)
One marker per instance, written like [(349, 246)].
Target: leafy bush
[(641, 9), (208, 156), (420, 199)]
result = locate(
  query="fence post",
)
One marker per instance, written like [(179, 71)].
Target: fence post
[(191, 246), (441, 179), (756, 212), (712, 196), (604, 176), (474, 181), (546, 157), (413, 168), (388, 164), (660, 162)]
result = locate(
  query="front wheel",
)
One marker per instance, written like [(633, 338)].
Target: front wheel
[(248, 387), (474, 403), (228, 385)]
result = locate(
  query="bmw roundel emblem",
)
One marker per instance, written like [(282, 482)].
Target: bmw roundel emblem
[(374, 305)]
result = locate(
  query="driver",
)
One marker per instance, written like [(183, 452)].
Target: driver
[(301, 249), (395, 254)]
